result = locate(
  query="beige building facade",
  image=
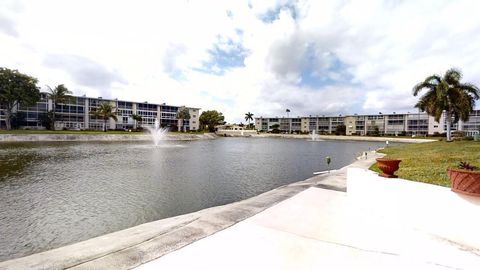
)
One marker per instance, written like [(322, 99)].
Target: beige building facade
[(371, 124)]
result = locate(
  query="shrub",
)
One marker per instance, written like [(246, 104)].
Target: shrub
[(341, 130), (458, 134)]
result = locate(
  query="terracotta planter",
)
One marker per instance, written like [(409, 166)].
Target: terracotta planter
[(464, 181), (388, 167)]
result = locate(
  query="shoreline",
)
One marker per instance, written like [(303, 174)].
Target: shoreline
[(344, 138), (131, 247), (99, 137), (190, 137)]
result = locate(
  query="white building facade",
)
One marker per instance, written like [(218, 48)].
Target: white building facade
[(77, 114)]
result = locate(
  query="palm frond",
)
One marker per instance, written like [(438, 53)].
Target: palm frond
[(429, 83), (471, 89), (452, 76)]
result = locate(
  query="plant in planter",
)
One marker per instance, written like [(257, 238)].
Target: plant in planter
[(465, 179), (388, 167)]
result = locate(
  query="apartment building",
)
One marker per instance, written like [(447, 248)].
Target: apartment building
[(77, 114), (384, 124)]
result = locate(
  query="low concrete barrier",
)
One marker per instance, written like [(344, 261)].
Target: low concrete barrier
[(425, 207), (236, 133), (98, 137), (345, 138)]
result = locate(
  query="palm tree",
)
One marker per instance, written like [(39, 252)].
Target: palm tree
[(288, 116), (138, 120), (182, 114), (105, 111), (59, 94), (249, 117), (447, 94)]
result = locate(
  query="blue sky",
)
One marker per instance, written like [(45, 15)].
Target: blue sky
[(312, 57)]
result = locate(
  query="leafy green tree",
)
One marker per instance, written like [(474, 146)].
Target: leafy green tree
[(209, 119), (249, 117), (376, 131), (16, 89), (341, 130), (182, 114), (447, 94), (58, 95), (138, 120), (105, 111), (275, 128)]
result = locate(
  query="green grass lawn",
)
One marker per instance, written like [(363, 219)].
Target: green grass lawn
[(428, 162)]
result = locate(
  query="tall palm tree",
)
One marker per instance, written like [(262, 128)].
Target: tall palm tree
[(138, 120), (249, 117), (182, 114), (105, 111), (447, 94), (59, 94)]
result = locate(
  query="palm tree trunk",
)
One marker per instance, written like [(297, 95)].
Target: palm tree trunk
[(104, 125), (53, 119), (449, 126), (8, 117)]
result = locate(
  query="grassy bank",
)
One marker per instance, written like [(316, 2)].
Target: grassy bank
[(428, 162)]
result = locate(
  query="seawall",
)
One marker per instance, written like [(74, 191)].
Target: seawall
[(344, 138), (99, 137)]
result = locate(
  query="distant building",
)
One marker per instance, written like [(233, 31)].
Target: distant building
[(233, 130), (76, 114), (369, 124)]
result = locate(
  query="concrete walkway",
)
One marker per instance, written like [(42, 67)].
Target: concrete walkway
[(317, 229), (322, 229)]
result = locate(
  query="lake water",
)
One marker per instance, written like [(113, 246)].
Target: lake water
[(57, 193)]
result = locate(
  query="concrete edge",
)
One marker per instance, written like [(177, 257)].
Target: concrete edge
[(345, 138), (134, 246), (99, 137)]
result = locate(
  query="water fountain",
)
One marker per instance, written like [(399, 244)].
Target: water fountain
[(314, 135), (158, 134)]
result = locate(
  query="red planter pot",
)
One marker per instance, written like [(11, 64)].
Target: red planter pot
[(388, 167), (464, 181)]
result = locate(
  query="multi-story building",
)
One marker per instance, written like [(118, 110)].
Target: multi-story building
[(77, 114), (370, 124)]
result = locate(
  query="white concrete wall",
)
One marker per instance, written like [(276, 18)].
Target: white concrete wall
[(235, 133), (428, 208)]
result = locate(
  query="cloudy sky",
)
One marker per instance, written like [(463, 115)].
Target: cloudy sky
[(312, 57)]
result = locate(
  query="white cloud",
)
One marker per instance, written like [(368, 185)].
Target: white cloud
[(362, 56)]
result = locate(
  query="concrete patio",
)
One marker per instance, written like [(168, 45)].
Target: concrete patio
[(392, 226)]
